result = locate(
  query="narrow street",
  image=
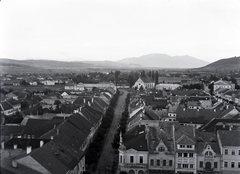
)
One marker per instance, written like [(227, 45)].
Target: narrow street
[(105, 162)]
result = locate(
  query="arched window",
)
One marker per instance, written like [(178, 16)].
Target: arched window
[(208, 153), (131, 172)]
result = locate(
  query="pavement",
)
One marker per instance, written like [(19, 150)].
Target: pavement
[(108, 156)]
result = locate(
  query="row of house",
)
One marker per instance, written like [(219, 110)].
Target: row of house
[(82, 87), (164, 147), (228, 95), (54, 142), (191, 133)]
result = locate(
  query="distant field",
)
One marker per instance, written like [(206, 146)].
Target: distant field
[(35, 88)]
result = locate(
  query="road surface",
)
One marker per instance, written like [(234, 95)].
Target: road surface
[(106, 159)]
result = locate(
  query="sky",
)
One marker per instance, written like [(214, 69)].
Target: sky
[(116, 29)]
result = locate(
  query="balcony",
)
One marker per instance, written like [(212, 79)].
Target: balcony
[(137, 165)]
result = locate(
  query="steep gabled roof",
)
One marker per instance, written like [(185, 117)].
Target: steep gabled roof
[(137, 142), (184, 132), (184, 139), (161, 134), (147, 79), (229, 138), (38, 127), (207, 137)]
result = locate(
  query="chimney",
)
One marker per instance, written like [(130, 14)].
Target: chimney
[(51, 137), (84, 100), (57, 131), (2, 144), (230, 127), (214, 110), (15, 146), (89, 103), (184, 109), (54, 126), (29, 149), (92, 99), (41, 143), (227, 106)]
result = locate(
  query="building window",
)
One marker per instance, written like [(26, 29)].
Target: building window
[(120, 158), (189, 146), (238, 164), (215, 165), (182, 146), (201, 164), (191, 166), (208, 153), (185, 155), (226, 152), (185, 166), (164, 162), (158, 162), (179, 166), (238, 152), (131, 159), (232, 164), (233, 152), (225, 164), (141, 159), (179, 154), (190, 154), (152, 162), (170, 162), (161, 149)]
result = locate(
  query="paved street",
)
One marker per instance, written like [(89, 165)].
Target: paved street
[(107, 157)]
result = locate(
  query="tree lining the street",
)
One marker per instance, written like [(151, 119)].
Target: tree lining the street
[(95, 149), (123, 124)]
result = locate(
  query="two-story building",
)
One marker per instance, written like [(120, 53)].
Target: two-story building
[(223, 84), (185, 144), (229, 142)]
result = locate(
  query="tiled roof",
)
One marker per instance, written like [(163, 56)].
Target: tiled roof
[(13, 102), (207, 137), (147, 79), (181, 130), (137, 142), (199, 116), (53, 158), (81, 123), (6, 130), (162, 133), (150, 114), (38, 127), (89, 116), (5, 106), (229, 138)]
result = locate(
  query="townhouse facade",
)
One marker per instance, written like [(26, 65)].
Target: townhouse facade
[(169, 147)]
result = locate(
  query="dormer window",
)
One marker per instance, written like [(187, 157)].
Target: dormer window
[(161, 149), (208, 153)]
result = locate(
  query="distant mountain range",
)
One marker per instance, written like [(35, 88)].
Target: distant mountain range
[(151, 60), (165, 61), (52, 66), (226, 64)]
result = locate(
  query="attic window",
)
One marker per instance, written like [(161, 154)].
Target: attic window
[(200, 139), (161, 149)]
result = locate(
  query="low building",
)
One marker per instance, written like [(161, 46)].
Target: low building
[(223, 84)]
